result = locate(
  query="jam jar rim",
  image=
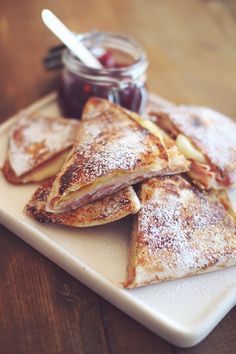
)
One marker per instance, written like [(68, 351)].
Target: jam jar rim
[(134, 70)]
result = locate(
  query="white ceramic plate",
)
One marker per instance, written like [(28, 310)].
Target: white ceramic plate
[(182, 311)]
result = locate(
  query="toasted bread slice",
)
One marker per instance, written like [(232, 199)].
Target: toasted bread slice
[(179, 231), (207, 139), (37, 147), (103, 211), (111, 152)]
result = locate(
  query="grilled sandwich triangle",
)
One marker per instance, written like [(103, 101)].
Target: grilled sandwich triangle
[(207, 139), (179, 231), (111, 151), (37, 147)]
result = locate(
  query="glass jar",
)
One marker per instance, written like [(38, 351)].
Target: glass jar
[(122, 79)]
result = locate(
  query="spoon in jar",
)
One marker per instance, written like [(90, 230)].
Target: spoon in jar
[(66, 36)]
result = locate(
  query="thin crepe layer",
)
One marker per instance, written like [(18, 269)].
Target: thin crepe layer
[(179, 231), (35, 141)]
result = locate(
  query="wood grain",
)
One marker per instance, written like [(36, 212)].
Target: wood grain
[(191, 47)]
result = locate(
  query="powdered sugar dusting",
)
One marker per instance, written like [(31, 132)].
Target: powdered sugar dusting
[(122, 153), (181, 228), (212, 132), (34, 139), (111, 143), (121, 203)]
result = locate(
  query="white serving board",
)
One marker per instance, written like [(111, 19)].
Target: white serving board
[(182, 311)]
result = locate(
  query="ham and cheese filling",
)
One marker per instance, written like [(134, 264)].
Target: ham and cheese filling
[(94, 192), (204, 173)]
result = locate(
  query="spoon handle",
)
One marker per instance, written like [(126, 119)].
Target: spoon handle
[(65, 35)]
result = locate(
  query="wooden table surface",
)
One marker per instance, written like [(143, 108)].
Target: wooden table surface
[(192, 52)]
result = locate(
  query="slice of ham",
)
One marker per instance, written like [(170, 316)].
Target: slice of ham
[(206, 176)]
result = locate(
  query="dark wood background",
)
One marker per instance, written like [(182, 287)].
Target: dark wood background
[(191, 46)]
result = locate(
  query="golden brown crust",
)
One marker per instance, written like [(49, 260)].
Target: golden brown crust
[(109, 209), (108, 146), (95, 107), (179, 231)]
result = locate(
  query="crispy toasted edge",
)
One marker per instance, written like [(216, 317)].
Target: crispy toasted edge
[(35, 208), (131, 266), (134, 283), (91, 107)]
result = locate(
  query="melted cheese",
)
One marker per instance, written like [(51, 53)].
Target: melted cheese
[(49, 169), (188, 149), (96, 189), (150, 126)]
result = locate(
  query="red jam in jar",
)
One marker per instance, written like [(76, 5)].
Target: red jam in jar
[(122, 79)]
